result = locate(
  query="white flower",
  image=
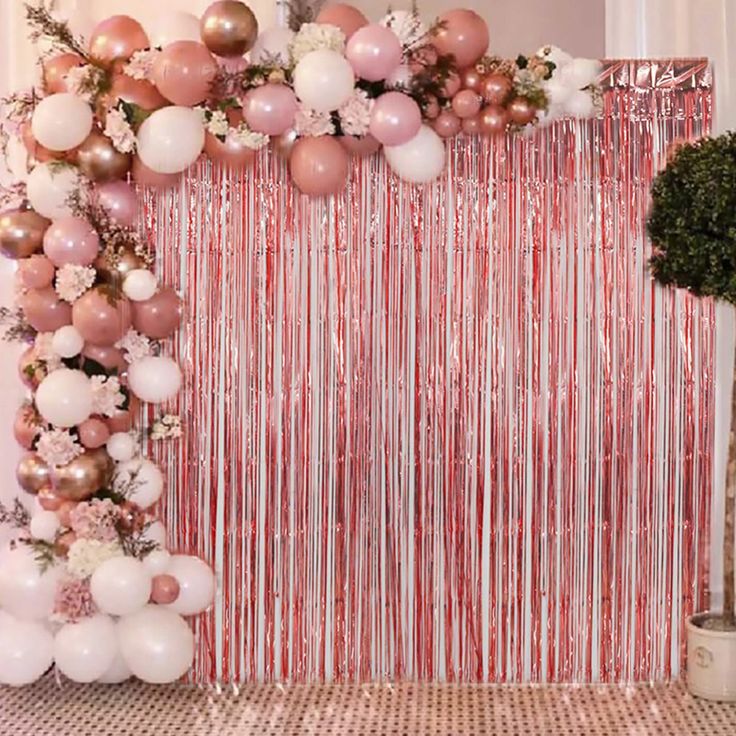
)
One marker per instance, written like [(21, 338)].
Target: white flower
[(44, 351), (86, 555), (166, 427), (57, 447), (141, 64), (135, 346), (312, 123), (107, 397), (316, 36), (84, 81), (355, 114), (249, 138), (408, 26), (72, 281), (218, 124), (118, 130)]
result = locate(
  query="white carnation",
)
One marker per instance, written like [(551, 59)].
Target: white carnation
[(249, 138), (134, 345), (355, 114), (118, 130), (86, 555), (72, 281), (218, 124), (310, 123), (107, 397), (141, 64), (314, 37), (57, 447)]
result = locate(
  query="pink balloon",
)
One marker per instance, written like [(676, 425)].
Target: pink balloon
[(36, 272), (119, 201), (396, 119), (55, 69), (138, 91), (184, 72), (319, 166), (229, 152), (109, 358), (447, 124), (93, 433), (71, 240), (346, 17), (452, 85), (25, 428), (159, 316), (466, 103), (165, 589), (143, 176), (270, 109), (363, 146), (123, 420), (374, 52), (44, 311), (99, 319), (463, 34), (117, 37)]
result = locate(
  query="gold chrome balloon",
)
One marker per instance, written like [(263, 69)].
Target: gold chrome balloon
[(229, 28), (83, 476), (100, 161), (21, 232), (32, 473)]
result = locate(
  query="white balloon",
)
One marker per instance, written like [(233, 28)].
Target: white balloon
[(557, 92), (580, 105), (121, 447), (86, 650), (26, 591), (272, 45), (120, 586), (64, 398), (165, 28), (44, 526), (49, 188), (62, 121), (156, 533), (171, 139), (117, 672), (67, 341), (26, 650), (140, 481), (324, 80), (580, 73), (157, 562), (196, 585), (139, 285), (421, 159), (156, 644), (154, 379)]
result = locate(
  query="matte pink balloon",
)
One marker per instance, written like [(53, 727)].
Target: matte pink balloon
[(374, 52), (184, 72), (115, 38), (466, 104), (36, 272), (44, 311), (99, 319), (319, 166), (229, 152), (93, 433), (143, 176), (165, 589), (107, 357), (447, 124), (363, 146), (270, 109), (71, 240), (159, 316), (396, 119), (25, 428), (119, 201), (55, 69), (122, 421), (138, 91), (346, 17), (463, 34)]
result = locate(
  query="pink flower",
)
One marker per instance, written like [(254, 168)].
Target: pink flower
[(73, 600), (95, 519)]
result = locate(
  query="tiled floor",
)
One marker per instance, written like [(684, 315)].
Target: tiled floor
[(134, 709)]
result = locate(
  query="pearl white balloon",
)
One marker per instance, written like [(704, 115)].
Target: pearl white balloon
[(64, 398), (154, 379), (85, 651), (139, 285), (44, 526), (49, 188), (580, 105), (557, 92), (196, 585), (26, 591), (324, 80), (272, 45), (67, 342), (157, 562), (120, 586), (140, 480), (62, 121), (157, 644), (121, 447), (580, 73), (26, 650), (156, 533), (117, 672), (171, 139), (166, 28), (420, 160)]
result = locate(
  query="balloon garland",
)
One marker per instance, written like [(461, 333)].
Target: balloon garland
[(87, 582)]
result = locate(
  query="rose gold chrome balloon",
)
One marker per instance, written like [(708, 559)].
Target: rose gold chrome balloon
[(116, 38), (229, 28), (113, 268), (521, 111), (55, 68), (32, 473), (83, 476), (496, 88), (100, 161), (21, 233), (493, 120)]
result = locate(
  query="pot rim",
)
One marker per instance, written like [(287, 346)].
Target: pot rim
[(694, 627)]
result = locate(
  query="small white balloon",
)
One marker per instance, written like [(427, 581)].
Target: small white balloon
[(154, 379), (49, 188), (44, 526), (140, 481), (324, 80), (166, 28), (64, 398), (272, 46), (557, 92), (121, 447), (26, 650), (121, 586), (156, 533), (26, 591), (156, 644), (580, 73), (86, 650), (157, 562), (580, 105), (171, 139), (67, 342), (139, 285), (61, 122), (118, 671), (196, 584), (420, 160)]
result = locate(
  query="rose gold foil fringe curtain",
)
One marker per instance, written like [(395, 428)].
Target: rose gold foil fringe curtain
[(451, 432)]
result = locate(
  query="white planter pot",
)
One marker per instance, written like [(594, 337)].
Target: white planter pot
[(711, 661)]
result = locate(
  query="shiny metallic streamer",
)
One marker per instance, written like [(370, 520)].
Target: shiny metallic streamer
[(451, 432)]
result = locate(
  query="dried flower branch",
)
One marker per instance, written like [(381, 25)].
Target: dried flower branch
[(43, 552), (44, 25), (17, 516), (15, 327), (300, 12)]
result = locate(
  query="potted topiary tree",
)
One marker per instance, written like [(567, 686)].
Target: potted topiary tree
[(692, 224)]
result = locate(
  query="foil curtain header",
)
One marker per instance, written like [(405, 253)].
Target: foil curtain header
[(452, 432)]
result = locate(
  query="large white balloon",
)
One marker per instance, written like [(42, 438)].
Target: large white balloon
[(64, 398), (154, 379), (26, 650), (420, 160), (120, 586), (140, 481), (27, 591), (272, 46), (86, 650), (171, 139), (196, 584), (67, 341), (121, 447), (157, 562), (165, 28), (118, 671), (324, 80), (62, 121), (49, 188), (44, 526), (156, 644)]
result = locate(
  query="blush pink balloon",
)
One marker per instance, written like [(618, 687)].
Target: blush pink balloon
[(119, 201), (159, 316), (115, 38), (396, 119), (471, 126), (363, 146), (55, 70), (346, 17), (229, 152), (184, 72), (138, 91), (270, 109), (145, 177), (25, 429), (319, 166), (452, 85), (109, 358), (463, 34), (165, 589), (466, 103), (44, 311), (93, 433), (36, 272), (123, 419), (71, 240), (99, 319), (374, 52), (447, 124)]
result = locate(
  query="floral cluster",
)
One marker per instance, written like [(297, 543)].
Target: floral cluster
[(72, 281), (119, 130), (166, 427), (316, 37)]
